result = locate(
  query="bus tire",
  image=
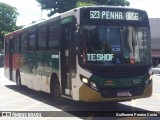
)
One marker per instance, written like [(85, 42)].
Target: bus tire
[(18, 80), (56, 91)]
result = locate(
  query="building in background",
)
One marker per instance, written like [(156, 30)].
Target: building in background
[(155, 40)]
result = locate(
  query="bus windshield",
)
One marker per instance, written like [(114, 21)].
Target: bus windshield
[(114, 45)]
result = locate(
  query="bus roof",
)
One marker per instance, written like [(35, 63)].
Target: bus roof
[(38, 23), (57, 16), (110, 6)]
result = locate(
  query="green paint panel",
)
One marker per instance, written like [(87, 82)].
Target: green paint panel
[(66, 20), (42, 63)]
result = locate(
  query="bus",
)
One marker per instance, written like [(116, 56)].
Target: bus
[(90, 54)]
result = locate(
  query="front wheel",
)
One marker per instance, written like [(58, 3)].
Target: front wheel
[(56, 92)]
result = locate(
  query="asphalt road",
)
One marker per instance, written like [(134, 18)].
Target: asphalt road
[(31, 103)]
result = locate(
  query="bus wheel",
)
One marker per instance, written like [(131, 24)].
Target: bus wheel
[(56, 92), (18, 80)]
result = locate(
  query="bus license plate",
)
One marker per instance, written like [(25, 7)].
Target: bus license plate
[(123, 93)]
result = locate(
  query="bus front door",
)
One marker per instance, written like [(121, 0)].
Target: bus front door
[(66, 59)]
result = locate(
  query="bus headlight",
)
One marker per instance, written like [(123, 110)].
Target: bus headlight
[(151, 76), (85, 80), (93, 85), (147, 81)]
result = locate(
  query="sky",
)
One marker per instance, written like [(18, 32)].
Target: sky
[(29, 10)]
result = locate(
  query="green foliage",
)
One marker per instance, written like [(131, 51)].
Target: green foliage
[(84, 3), (60, 6), (8, 18)]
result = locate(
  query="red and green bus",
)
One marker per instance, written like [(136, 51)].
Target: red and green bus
[(91, 54)]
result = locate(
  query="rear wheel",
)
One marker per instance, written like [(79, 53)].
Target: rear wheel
[(18, 80)]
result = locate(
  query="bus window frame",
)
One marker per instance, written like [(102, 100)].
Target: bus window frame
[(32, 32), (38, 38), (56, 30), (6, 46), (24, 38), (18, 45)]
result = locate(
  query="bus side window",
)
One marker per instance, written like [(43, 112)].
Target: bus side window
[(54, 36), (42, 39), (24, 42), (32, 40), (17, 44), (6, 46)]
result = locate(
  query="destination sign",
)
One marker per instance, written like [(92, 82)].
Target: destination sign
[(99, 57), (114, 15)]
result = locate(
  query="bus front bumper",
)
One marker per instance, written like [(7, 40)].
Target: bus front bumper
[(87, 94)]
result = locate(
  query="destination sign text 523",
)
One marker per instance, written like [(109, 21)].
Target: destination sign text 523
[(114, 15)]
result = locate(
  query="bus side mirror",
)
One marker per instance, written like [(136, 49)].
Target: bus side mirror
[(76, 40), (76, 36)]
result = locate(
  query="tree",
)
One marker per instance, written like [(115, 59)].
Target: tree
[(60, 6), (8, 18)]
